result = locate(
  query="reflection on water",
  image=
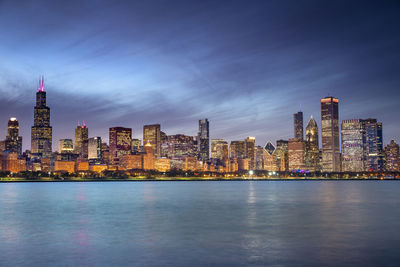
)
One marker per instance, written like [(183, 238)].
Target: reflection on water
[(276, 223)]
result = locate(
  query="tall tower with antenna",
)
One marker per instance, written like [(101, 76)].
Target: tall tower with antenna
[(42, 132)]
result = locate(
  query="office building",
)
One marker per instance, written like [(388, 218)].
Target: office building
[(373, 145), (298, 125), (81, 141), (13, 142), (296, 153), (203, 140), (353, 144), (42, 132), (392, 157), (94, 149), (249, 146), (152, 135), (120, 140), (312, 153), (65, 146), (330, 134)]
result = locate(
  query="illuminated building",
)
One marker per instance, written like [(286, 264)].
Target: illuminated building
[(148, 157), (249, 146), (330, 134), (152, 135), (373, 145), (233, 165), (162, 164), (203, 140), (65, 146), (82, 166), (192, 164), (270, 162), (282, 155), (136, 146), (2, 146), (180, 145), (219, 150), (120, 140), (64, 166), (13, 142), (353, 143), (10, 162), (392, 157), (42, 132), (129, 162), (105, 153), (98, 168), (298, 125), (81, 140), (296, 153), (243, 164), (94, 148), (237, 150), (259, 158), (312, 147)]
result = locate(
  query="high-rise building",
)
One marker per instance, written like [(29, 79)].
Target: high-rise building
[(94, 148), (219, 149), (312, 147), (282, 156), (392, 157), (136, 146), (259, 158), (42, 132), (65, 146), (373, 145), (120, 140), (203, 140), (298, 125), (249, 146), (180, 146), (296, 153), (81, 140), (152, 135), (353, 144), (270, 162), (237, 150), (330, 134), (13, 142)]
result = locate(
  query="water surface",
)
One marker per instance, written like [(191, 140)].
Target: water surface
[(213, 223)]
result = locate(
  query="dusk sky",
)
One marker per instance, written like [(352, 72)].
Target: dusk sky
[(247, 66)]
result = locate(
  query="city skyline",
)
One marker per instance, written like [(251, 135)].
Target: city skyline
[(201, 55)]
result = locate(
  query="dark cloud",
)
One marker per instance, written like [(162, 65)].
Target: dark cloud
[(247, 66)]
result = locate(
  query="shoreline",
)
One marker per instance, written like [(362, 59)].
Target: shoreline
[(189, 179)]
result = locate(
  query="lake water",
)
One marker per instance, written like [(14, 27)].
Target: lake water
[(213, 223)]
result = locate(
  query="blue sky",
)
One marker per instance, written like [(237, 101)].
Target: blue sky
[(247, 66)]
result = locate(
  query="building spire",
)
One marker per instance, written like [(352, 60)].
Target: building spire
[(42, 83)]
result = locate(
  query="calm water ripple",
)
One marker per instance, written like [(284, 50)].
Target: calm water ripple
[(258, 223)]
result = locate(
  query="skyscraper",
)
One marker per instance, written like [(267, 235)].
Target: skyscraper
[(120, 140), (312, 147), (374, 145), (152, 135), (353, 144), (81, 140), (250, 144), (203, 140), (237, 150), (42, 132), (219, 149), (298, 125), (13, 142), (65, 146), (282, 155), (94, 148), (330, 134), (296, 153), (392, 157)]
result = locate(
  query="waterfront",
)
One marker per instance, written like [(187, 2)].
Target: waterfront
[(200, 223)]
